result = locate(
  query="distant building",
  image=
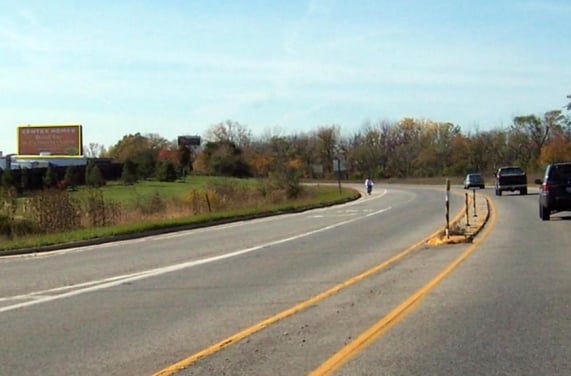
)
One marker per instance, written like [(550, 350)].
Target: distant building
[(18, 162)]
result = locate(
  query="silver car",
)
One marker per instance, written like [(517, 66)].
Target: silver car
[(474, 180)]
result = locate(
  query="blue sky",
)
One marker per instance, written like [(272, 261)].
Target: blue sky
[(174, 67)]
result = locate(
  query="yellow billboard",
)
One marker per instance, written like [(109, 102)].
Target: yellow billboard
[(65, 140)]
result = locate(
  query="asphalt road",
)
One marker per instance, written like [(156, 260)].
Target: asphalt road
[(284, 295)]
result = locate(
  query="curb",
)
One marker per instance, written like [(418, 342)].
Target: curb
[(469, 231)]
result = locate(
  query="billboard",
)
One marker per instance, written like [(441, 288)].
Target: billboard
[(188, 141), (50, 140)]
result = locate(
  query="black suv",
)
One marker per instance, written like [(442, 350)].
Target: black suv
[(555, 190), (511, 178)]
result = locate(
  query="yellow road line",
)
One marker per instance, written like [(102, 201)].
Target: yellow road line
[(375, 331), (184, 363)]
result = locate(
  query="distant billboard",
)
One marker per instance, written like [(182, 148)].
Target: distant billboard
[(50, 140), (189, 141)]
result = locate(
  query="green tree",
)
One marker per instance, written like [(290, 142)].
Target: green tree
[(225, 158), (184, 159), (143, 150), (146, 161), (166, 171), (129, 172), (70, 177), (49, 180), (25, 179), (7, 178), (93, 176)]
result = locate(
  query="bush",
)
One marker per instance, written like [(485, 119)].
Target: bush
[(166, 171), (155, 204), (12, 228), (55, 210), (49, 179), (98, 211), (7, 179), (93, 176), (129, 172), (286, 180), (8, 203)]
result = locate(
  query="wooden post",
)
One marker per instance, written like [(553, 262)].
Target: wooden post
[(466, 206), (339, 174), (474, 202), (448, 208)]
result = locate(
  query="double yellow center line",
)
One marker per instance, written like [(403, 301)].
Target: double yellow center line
[(362, 341), (374, 332)]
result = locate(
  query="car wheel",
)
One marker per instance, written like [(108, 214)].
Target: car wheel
[(523, 191), (544, 213)]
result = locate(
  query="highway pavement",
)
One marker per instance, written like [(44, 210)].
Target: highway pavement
[(351, 290)]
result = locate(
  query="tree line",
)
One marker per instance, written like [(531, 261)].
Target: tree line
[(400, 149), (405, 148)]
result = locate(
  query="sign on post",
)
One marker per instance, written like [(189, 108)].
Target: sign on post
[(338, 166)]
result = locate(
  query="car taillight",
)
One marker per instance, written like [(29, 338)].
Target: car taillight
[(545, 187)]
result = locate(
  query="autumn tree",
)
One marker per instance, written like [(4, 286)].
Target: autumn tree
[(94, 150), (184, 158), (326, 148), (305, 149), (225, 158), (557, 150), (230, 132), (528, 134), (558, 146), (143, 150), (435, 154), (367, 150)]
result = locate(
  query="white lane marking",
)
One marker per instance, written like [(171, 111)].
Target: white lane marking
[(184, 232), (119, 280)]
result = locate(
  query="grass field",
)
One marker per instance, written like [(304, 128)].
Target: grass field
[(130, 194), (314, 196)]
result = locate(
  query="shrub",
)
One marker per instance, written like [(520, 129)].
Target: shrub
[(93, 176), (7, 180), (286, 180), (49, 180), (12, 228), (8, 203), (55, 210), (98, 211), (129, 172), (70, 178), (152, 205), (166, 171)]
